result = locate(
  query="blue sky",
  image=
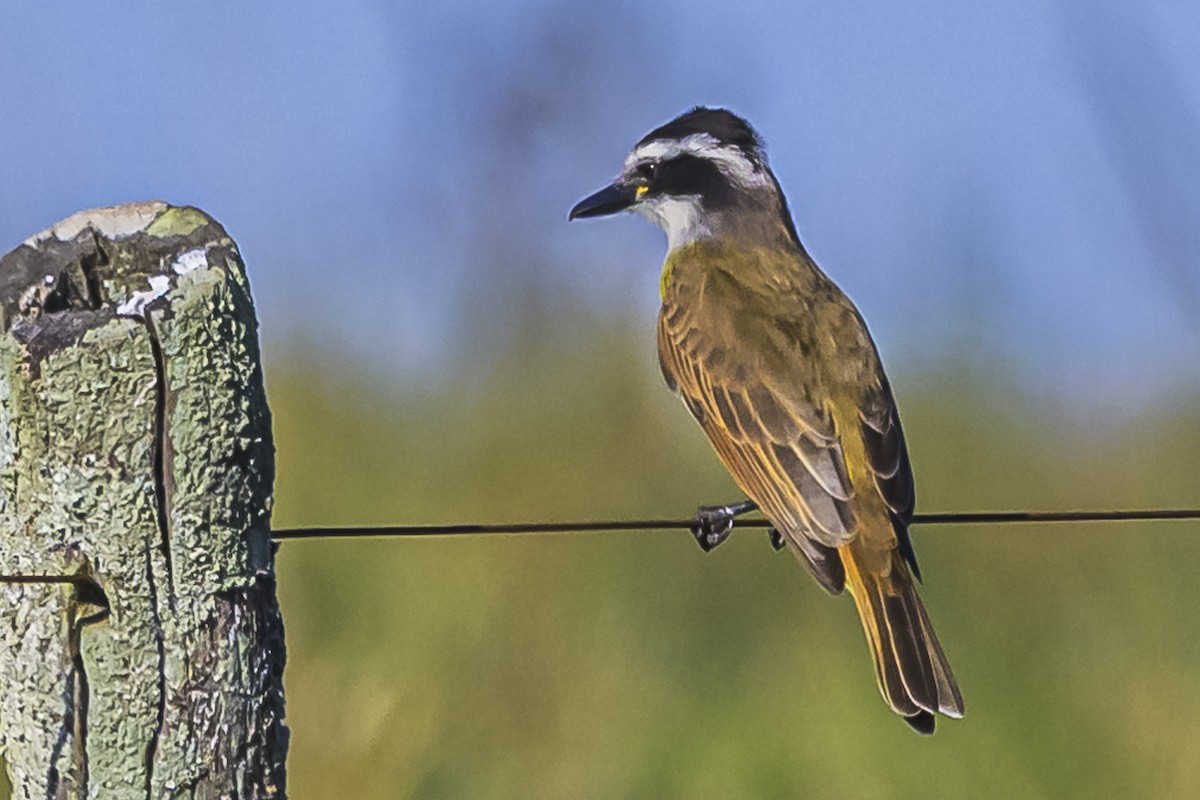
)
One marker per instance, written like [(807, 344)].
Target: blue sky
[(1017, 183)]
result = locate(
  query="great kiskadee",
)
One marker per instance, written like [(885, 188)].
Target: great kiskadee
[(777, 366)]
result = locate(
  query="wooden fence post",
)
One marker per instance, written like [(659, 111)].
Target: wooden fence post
[(136, 456)]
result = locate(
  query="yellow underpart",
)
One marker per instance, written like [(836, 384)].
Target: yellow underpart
[(665, 280)]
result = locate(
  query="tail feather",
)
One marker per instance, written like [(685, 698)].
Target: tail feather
[(950, 701), (914, 676)]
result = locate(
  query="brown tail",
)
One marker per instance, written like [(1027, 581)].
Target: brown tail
[(914, 675)]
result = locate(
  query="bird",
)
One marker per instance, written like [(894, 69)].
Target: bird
[(776, 364)]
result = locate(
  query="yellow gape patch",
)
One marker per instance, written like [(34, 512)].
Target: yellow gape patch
[(641, 190)]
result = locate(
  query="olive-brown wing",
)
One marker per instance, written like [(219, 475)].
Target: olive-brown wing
[(780, 445)]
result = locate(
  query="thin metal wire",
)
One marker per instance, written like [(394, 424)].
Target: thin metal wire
[(84, 581), (602, 526)]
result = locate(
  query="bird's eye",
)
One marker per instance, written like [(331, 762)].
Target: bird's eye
[(646, 170)]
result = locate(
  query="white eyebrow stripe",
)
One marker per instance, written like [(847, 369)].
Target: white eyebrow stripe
[(731, 159)]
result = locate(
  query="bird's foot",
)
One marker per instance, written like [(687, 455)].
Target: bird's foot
[(712, 524), (776, 538)]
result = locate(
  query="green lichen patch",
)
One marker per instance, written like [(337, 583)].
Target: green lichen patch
[(178, 221)]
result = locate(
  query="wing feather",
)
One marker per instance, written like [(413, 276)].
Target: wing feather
[(790, 462), (887, 455)]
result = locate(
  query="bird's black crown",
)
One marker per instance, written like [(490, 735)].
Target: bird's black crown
[(721, 124)]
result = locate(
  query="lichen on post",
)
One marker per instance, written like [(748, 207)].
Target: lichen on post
[(136, 465)]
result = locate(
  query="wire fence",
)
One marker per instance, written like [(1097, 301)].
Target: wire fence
[(626, 526), (647, 525)]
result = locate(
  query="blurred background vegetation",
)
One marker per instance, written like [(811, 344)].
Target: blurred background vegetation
[(1009, 191), (632, 665)]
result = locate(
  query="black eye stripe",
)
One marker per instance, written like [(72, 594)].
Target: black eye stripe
[(690, 175)]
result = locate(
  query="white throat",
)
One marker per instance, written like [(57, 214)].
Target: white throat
[(681, 218)]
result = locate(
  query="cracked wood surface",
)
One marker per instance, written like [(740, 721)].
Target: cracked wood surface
[(136, 453)]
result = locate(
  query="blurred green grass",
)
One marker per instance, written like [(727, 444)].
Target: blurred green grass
[(632, 665)]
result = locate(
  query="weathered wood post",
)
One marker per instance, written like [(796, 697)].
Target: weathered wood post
[(136, 455)]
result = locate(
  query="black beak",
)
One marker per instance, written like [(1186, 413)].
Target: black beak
[(609, 200)]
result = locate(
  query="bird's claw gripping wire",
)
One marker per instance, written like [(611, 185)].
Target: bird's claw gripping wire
[(712, 524), (776, 539)]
